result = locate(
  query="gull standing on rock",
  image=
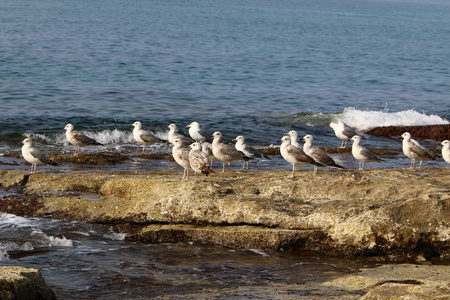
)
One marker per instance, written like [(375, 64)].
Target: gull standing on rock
[(294, 155), (174, 135), (318, 154), (144, 137), (181, 156), (248, 150), (294, 138), (361, 153), (195, 132), (412, 149), (78, 139), (198, 160), (225, 153), (34, 156), (343, 131), (446, 150)]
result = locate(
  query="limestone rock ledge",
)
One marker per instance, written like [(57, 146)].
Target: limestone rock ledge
[(389, 214), (17, 283)]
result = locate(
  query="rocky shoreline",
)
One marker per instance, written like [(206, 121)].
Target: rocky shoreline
[(389, 215)]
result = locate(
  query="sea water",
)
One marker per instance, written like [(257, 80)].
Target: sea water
[(252, 68)]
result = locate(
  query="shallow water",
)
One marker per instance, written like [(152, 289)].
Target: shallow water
[(82, 261)]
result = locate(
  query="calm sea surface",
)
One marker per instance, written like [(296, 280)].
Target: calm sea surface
[(257, 68)]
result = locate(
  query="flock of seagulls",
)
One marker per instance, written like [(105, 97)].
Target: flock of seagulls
[(197, 152)]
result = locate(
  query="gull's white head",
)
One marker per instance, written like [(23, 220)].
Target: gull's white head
[(68, 127), (446, 143), (292, 134), (137, 124), (217, 135), (239, 139), (27, 142), (172, 127), (196, 146), (286, 140), (194, 125), (356, 138), (406, 136), (177, 142), (308, 138)]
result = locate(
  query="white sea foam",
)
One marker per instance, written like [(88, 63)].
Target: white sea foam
[(59, 242), (363, 120)]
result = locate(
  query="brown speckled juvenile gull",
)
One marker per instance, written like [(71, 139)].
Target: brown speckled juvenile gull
[(198, 160)]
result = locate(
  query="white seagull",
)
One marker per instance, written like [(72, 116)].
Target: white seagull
[(196, 133), (78, 139), (361, 153), (446, 150), (174, 135), (318, 154), (343, 131), (248, 150), (294, 155), (34, 156), (144, 137), (225, 153), (181, 156), (412, 149), (294, 138), (198, 160)]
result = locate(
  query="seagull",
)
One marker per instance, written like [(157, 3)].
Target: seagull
[(34, 156), (144, 137), (294, 137), (412, 149), (195, 132), (225, 153), (446, 150), (318, 154), (294, 155), (361, 153), (198, 161), (248, 150), (173, 135), (343, 131), (181, 156), (78, 139)]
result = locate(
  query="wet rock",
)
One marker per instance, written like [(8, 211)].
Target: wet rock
[(429, 132), (17, 283), (384, 215), (397, 281), (96, 158)]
